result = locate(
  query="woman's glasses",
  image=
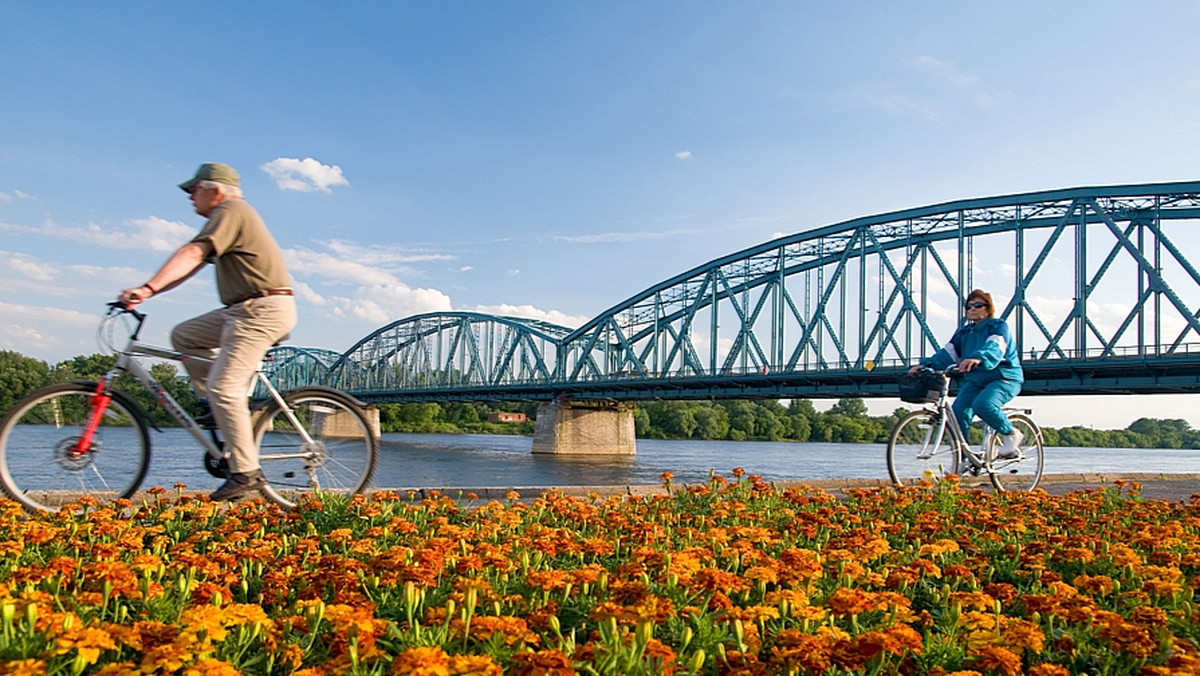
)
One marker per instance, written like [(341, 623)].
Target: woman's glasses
[(974, 306)]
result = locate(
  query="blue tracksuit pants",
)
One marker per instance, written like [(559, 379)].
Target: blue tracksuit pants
[(986, 401)]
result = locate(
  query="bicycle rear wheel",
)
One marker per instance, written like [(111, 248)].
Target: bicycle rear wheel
[(44, 465), (921, 449), (340, 458), (1023, 472)]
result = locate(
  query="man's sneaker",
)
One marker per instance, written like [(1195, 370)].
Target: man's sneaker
[(205, 420), (239, 484), (1010, 445)]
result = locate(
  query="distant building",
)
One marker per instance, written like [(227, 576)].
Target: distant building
[(506, 417)]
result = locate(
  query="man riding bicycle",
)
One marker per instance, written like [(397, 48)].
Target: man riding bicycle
[(259, 311)]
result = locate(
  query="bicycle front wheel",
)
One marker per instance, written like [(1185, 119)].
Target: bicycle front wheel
[(45, 461), (321, 442), (921, 449), (1023, 471)]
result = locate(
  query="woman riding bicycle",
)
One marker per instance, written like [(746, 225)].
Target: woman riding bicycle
[(986, 354)]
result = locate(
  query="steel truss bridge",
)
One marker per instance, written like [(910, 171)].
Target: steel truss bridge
[(1096, 283)]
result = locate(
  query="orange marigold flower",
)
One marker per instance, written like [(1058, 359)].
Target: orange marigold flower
[(1094, 585), (26, 668), (848, 601), (474, 665), (995, 658), (422, 661), (543, 663), (1047, 669), (939, 548), (211, 667), (1021, 635), (804, 652), (119, 669)]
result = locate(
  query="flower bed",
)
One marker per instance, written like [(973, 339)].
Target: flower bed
[(729, 577)]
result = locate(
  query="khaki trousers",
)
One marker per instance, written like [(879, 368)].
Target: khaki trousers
[(236, 338)]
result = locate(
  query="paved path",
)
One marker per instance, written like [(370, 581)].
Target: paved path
[(1173, 487)]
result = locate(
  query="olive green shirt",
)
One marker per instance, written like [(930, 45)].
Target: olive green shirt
[(248, 259)]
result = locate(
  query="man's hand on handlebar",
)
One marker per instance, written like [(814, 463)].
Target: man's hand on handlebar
[(131, 297)]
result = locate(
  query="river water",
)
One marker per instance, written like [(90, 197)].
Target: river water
[(496, 461)]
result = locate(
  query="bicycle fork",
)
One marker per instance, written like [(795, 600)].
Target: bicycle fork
[(98, 405)]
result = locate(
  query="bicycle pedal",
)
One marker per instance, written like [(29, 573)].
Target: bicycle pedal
[(217, 467)]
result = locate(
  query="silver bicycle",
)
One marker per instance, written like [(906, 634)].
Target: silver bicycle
[(87, 439), (928, 444)]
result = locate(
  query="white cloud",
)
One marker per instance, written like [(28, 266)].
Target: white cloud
[(335, 268), (26, 267), (5, 197), (304, 175), (153, 233), (531, 312), (684, 154), (611, 237), (382, 255), (967, 84), (46, 330), (382, 304), (379, 297)]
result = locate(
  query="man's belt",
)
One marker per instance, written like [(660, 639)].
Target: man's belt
[(261, 294)]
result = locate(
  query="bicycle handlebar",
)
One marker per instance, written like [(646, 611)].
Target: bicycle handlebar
[(951, 370), (116, 309)]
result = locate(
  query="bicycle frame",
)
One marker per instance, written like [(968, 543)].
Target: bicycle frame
[(949, 423), (127, 361)]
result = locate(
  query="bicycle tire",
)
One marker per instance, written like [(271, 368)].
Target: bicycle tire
[(920, 449), (1023, 472), (36, 437), (341, 459)]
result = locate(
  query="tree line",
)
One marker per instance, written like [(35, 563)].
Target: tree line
[(847, 421)]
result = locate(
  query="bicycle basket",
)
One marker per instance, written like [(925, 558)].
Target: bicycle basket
[(920, 388)]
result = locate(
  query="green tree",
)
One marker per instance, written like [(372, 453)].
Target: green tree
[(678, 420), (19, 375), (849, 407), (712, 422), (82, 367), (742, 419)]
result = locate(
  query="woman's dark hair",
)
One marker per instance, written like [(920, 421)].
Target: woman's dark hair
[(983, 297)]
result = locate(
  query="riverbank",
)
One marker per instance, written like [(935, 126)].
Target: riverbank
[(1172, 487), (1153, 486)]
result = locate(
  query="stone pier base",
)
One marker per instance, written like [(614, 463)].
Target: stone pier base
[(343, 424), (578, 428)]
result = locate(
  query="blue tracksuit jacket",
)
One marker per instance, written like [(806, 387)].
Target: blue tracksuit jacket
[(991, 343)]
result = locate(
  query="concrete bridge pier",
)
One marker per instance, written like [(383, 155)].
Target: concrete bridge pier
[(584, 428)]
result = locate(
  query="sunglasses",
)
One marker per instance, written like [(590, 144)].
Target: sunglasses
[(974, 306)]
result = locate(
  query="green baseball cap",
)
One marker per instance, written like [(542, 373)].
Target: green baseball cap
[(212, 171)]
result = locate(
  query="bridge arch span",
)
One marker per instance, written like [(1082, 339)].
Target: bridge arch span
[(444, 350), (1086, 276), (1097, 284)]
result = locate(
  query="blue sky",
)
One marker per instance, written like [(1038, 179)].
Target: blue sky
[(548, 158)]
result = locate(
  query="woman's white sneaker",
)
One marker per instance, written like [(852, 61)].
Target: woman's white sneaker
[(1010, 445)]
